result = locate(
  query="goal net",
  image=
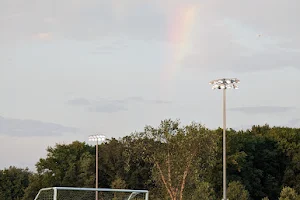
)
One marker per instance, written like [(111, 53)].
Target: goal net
[(72, 193)]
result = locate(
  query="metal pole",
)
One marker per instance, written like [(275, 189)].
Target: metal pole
[(54, 193), (224, 83), (97, 170), (224, 145), (147, 196)]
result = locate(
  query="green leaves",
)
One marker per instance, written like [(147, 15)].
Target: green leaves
[(202, 191), (175, 151), (65, 165), (13, 182), (173, 162), (288, 193), (237, 191), (255, 160)]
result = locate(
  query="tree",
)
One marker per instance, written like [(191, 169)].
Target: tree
[(36, 182), (173, 162), (112, 159), (118, 184), (255, 160), (236, 191), (65, 165), (175, 151), (288, 140), (203, 191), (13, 182), (137, 169), (288, 193), (68, 165)]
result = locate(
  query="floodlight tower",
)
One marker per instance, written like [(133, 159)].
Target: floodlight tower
[(98, 139), (223, 84)]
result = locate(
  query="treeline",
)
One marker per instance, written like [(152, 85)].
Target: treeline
[(173, 162)]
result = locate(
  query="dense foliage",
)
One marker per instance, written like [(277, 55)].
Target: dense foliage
[(13, 182), (174, 162)]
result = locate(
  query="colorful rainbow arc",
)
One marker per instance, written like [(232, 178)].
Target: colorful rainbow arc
[(180, 35)]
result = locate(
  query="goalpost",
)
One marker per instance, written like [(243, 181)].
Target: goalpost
[(73, 193)]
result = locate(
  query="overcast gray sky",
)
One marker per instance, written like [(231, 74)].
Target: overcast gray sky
[(70, 68)]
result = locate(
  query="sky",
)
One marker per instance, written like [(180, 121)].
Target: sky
[(72, 68)]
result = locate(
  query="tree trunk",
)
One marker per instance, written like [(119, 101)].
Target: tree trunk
[(165, 182), (185, 173)]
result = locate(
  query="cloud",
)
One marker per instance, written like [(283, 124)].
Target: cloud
[(79, 102), (19, 127), (243, 63), (271, 18), (294, 123), (140, 19), (49, 20), (107, 108), (10, 16), (110, 46), (262, 109), (90, 20), (112, 106), (43, 36), (142, 100), (230, 44), (224, 37)]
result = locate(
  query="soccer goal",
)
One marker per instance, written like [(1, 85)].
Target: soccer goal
[(72, 193)]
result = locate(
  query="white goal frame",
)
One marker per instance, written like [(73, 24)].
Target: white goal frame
[(132, 193)]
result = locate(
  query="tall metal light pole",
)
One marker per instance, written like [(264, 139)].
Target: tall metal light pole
[(97, 138), (224, 83)]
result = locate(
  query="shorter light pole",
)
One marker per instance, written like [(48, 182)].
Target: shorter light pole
[(97, 138), (224, 84)]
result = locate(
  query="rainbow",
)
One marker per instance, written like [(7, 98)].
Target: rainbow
[(180, 37), (179, 34)]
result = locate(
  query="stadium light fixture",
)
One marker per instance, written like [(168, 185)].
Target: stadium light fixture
[(98, 139), (224, 84)]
